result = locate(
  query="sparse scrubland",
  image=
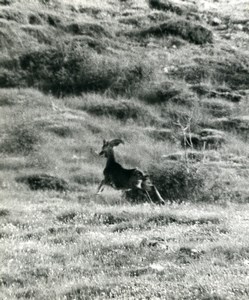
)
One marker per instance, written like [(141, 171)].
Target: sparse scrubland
[(170, 78)]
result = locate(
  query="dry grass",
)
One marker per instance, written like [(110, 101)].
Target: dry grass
[(52, 240)]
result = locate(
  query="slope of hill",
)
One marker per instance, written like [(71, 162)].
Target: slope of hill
[(171, 78)]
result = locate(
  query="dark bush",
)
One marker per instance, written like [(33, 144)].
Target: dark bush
[(11, 78), (177, 182), (165, 92), (192, 32), (53, 20), (165, 5), (90, 29), (6, 2), (78, 69), (43, 182), (158, 93), (61, 131), (34, 19)]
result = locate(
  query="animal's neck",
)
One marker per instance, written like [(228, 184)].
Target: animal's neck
[(110, 159)]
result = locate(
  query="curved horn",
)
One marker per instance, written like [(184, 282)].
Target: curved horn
[(115, 142)]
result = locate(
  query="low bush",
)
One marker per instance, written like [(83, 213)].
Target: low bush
[(187, 30), (11, 78), (90, 29), (164, 92), (167, 5), (182, 181), (43, 182), (177, 182), (61, 131), (72, 69)]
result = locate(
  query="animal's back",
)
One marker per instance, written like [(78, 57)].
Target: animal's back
[(122, 178)]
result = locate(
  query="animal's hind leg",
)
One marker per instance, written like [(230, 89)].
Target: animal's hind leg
[(101, 187), (158, 195), (148, 196)]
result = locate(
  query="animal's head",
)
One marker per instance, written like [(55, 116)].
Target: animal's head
[(107, 147)]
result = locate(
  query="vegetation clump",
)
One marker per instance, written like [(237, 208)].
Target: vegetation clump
[(89, 29), (43, 182), (187, 30), (73, 69), (167, 5), (166, 92), (177, 182)]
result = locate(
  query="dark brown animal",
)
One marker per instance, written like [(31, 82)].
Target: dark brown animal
[(124, 179)]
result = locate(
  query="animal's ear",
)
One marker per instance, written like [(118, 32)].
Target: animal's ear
[(115, 142), (104, 142)]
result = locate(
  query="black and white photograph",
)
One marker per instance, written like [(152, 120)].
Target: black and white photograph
[(124, 149)]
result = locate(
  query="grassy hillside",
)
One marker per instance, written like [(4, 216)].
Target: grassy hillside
[(171, 78)]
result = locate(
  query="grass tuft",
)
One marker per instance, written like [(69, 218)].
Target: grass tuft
[(21, 139)]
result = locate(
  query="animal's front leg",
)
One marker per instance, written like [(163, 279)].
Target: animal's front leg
[(101, 187)]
